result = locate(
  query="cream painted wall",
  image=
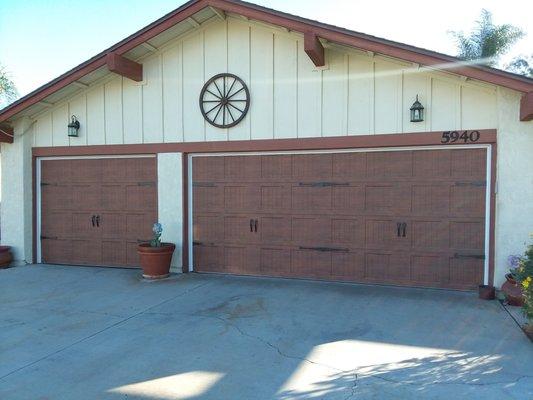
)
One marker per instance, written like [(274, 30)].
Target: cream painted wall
[(356, 94), (170, 194), (16, 207), (514, 202)]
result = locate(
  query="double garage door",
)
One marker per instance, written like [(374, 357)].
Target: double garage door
[(409, 217), (94, 211)]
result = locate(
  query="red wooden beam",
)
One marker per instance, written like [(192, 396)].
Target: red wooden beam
[(6, 134), (314, 49), (124, 67), (526, 107)]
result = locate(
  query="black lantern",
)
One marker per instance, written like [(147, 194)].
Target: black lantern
[(73, 127), (417, 111)]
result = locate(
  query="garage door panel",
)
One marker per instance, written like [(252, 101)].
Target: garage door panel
[(56, 196), (239, 198), (431, 199), (276, 198), (113, 197), (310, 198), (383, 233), (242, 168), (466, 272), (56, 251), (57, 223), (312, 166), (348, 266), (208, 228), (115, 225), (240, 229), (348, 232), (210, 169), (86, 196), (209, 258), (276, 168), (86, 252), (467, 235), (141, 197), (469, 164), (348, 199), (132, 256), (376, 266), (113, 252), (466, 198), (275, 230), (389, 165), (350, 166), (242, 259), (311, 263), (307, 230), (432, 235), (82, 225), (55, 171), (275, 261), (387, 199), (432, 164), (208, 197), (143, 169), (430, 270), (85, 170)]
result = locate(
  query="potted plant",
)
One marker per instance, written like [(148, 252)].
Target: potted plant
[(156, 256), (5, 256), (512, 288), (527, 290)]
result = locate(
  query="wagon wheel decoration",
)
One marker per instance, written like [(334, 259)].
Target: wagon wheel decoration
[(224, 100)]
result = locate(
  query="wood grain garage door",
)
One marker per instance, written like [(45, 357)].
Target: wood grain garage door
[(94, 211), (413, 218)]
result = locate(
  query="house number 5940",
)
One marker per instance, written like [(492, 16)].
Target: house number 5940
[(464, 136)]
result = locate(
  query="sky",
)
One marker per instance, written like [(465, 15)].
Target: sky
[(41, 39)]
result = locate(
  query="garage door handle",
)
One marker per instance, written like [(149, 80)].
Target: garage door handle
[(398, 229), (251, 225), (255, 225), (98, 221), (93, 218), (404, 229)]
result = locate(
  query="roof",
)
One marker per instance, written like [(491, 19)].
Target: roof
[(331, 33)]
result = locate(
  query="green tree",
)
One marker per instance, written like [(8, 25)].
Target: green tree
[(8, 90), (487, 42), (522, 65)]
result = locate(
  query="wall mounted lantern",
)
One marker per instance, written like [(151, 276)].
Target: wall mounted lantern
[(417, 111), (73, 127)]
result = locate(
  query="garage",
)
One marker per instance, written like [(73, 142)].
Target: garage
[(413, 217), (94, 211)]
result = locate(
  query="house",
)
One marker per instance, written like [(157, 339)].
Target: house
[(269, 144)]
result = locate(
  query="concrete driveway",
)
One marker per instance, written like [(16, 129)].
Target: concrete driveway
[(93, 333)]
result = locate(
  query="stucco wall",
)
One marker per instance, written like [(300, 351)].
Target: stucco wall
[(514, 201), (16, 207), (170, 194)]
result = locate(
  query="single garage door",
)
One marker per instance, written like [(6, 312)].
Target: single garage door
[(94, 211), (413, 218)]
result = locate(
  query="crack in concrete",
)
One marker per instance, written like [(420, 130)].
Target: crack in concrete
[(352, 388), (145, 311)]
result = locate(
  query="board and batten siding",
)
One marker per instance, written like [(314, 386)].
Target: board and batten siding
[(355, 94)]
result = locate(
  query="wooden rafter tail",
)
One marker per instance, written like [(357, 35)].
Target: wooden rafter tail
[(124, 67), (526, 107), (6, 134), (314, 49)]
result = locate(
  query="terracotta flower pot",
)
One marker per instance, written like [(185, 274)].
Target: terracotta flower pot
[(5, 256), (513, 294), (487, 292), (155, 261), (510, 279)]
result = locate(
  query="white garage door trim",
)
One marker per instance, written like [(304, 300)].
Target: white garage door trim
[(488, 147)]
